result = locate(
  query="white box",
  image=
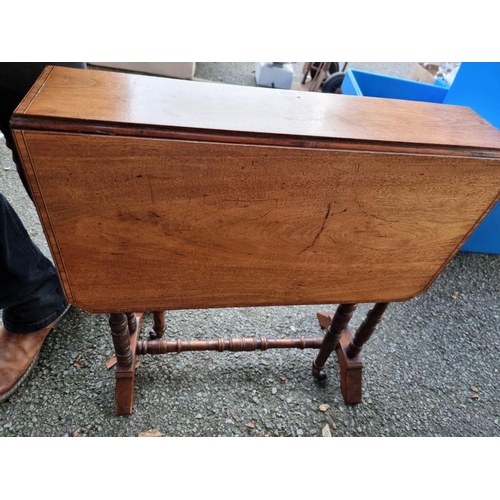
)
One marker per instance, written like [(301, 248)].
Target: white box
[(274, 75)]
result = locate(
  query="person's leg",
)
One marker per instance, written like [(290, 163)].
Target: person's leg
[(31, 300), (30, 292)]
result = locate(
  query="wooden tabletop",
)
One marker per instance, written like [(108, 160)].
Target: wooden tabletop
[(119, 98)]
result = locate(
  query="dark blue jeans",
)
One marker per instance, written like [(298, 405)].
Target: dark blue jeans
[(31, 296), (30, 292)]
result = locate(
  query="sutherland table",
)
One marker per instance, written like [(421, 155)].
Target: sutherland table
[(159, 194)]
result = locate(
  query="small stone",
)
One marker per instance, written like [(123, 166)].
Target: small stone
[(274, 390), (199, 416), (324, 407), (326, 431), (151, 433)]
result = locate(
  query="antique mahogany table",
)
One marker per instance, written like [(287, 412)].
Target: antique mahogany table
[(158, 194)]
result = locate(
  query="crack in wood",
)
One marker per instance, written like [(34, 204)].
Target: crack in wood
[(370, 215), (320, 231)]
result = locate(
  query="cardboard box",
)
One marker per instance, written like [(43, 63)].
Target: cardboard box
[(424, 72)]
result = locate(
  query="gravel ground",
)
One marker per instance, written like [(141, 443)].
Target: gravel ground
[(243, 73), (431, 369)]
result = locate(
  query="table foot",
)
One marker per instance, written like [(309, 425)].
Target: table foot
[(351, 370), (348, 350), (125, 346)]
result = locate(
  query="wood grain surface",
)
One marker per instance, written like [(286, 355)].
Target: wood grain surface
[(158, 194), (110, 98), (148, 224)]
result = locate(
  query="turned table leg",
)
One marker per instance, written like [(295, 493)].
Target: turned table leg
[(348, 352), (338, 324), (158, 329), (365, 330), (124, 332)]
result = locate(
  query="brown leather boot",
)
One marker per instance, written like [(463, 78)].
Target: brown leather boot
[(18, 355)]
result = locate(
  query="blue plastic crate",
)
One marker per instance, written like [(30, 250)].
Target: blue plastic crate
[(367, 84), (477, 85)]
